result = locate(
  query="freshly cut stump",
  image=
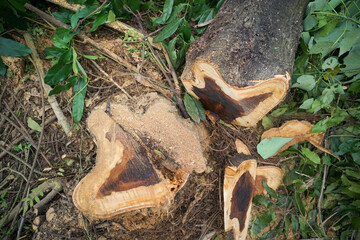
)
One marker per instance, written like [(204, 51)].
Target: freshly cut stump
[(243, 180), (144, 157), (239, 69)]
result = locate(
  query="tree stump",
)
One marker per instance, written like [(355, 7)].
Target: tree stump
[(239, 69)]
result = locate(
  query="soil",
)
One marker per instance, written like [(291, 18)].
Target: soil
[(195, 213)]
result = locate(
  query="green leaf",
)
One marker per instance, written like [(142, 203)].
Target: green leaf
[(294, 224), (177, 9), (2, 68), (75, 18), (352, 61), (329, 27), (330, 62), (269, 190), (194, 108), (100, 20), (74, 60), (57, 73), (299, 204), (59, 88), (324, 48), (62, 37), (268, 147), (64, 15), (312, 156), (172, 51), (327, 123), (305, 82), (37, 199), (307, 104), (111, 16), (185, 29), (261, 199), (267, 123), (79, 92), (278, 112), (91, 57), (169, 30), (350, 38), (168, 6), (54, 52), (309, 22), (33, 125), (263, 221), (11, 48)]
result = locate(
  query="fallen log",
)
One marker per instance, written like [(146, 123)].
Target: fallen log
[(239, 69)]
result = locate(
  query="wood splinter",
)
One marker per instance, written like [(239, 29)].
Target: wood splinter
[(244, 180)]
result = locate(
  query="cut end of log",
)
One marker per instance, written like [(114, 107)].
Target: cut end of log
[(144, 157), (244, 106), (241, 183), (299, 131)]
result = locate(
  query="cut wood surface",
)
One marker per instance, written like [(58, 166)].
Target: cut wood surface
[(144, 158), (242, 181), (299, 131), (239, 69)]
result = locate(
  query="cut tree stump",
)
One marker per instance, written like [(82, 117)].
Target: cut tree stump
[(144, 157), (239, 69), (242, 181)]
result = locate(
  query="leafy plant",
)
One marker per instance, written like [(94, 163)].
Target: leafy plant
[(325, 192)]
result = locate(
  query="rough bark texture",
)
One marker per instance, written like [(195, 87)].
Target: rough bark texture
[(248, 43)]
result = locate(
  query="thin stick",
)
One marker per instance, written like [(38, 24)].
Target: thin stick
[(27, 186), (38, 64), (20, 160), (28, 138), (111, 79)]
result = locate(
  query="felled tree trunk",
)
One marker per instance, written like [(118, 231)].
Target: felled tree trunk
[(239, 69)]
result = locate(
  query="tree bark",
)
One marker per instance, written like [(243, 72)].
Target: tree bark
[(231, 68)]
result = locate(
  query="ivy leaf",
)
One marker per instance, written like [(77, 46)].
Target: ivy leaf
[(324, 48), (307, 104), (169, 30), (312, 156), (11, 48), (305, 82), (33, 125), (194, 108), (352, 61), (309, 22), (269, 146), (79, 92), (168, 6), (330, 62), (350, 38)]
